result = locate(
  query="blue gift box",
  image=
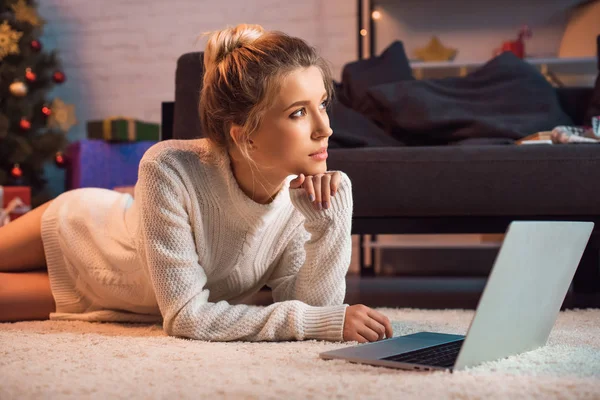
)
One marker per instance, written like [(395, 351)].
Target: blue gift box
[(96, 163)]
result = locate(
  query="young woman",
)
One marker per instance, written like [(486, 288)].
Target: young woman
[(214, 219)]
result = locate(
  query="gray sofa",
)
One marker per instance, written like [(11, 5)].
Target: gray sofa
[(450, 189)]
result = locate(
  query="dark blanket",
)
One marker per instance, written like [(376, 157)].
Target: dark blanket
[(352, 129), (505, 98)]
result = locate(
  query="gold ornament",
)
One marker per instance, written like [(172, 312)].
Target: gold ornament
[(25, 13), (435, 51), (9, 40), (63, 115), (18, 89)]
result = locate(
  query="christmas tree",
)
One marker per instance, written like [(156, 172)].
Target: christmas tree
[(32, 127)]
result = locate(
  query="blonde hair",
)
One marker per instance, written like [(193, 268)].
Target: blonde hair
[(243, 69)]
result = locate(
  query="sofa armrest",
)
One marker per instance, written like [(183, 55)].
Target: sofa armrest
[(188, 84)]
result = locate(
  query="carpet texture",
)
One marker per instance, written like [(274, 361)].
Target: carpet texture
[(73, 360)]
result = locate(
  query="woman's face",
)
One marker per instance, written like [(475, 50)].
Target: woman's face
[(295, 127)]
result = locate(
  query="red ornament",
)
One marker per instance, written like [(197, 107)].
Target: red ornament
[(47, 111), (59, 77), (516, 46), (16, 171), (30, 75), (36, 45), (25, 124), (59, 159)]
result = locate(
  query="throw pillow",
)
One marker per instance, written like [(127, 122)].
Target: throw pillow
[(358, 76)]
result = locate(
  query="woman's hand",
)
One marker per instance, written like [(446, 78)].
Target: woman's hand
[(363, 324), (319, 188)]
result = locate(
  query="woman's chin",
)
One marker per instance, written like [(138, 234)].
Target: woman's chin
[(315, 170)]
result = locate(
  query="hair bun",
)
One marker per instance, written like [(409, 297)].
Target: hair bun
[(222, 42)]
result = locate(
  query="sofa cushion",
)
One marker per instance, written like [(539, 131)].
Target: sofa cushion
[(506, 97), (358, 76), (484, 141), (436, 181)]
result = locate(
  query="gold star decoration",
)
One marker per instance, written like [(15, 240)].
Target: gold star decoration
[(435, 51), (25, 13), (63, 115), (9, 40)]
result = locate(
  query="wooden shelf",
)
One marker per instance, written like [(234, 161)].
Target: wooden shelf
[(550, 62), (376, 245), (550, 67), (434, 242)]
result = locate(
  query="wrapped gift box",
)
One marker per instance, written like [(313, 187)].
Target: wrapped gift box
[(122, 129), (96, 163), (8, 199)]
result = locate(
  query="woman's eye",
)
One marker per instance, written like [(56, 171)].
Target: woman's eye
[(298, 113), (301, 112)]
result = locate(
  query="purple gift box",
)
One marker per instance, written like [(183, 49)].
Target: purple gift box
[(96, 163)]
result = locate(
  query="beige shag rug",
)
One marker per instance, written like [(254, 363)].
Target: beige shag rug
[(75, 360)]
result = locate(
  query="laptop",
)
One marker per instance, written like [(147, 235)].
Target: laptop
[(516, 312)]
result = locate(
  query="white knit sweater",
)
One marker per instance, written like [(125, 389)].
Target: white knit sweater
[(193, 247)]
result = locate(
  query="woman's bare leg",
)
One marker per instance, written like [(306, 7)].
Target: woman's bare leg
[(25, 296), (21, 246)]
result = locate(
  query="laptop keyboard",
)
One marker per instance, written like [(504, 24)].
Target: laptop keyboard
[(443, 355)]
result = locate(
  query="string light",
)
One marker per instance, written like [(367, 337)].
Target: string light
[(376, 15), (363, 32)]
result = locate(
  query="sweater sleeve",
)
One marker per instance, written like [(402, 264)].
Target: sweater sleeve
[(314, 264), (169, 247)]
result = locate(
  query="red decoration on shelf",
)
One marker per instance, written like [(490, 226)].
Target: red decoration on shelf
[(24, 124), (16, 171), (59, 159), (47, 111), (36, 45), (30, 75), (516, 46), (59, 77)]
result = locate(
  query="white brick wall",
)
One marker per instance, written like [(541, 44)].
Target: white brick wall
[(120, 56)]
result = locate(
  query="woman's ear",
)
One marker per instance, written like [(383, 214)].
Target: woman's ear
[(237, 134), (236, 131)]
